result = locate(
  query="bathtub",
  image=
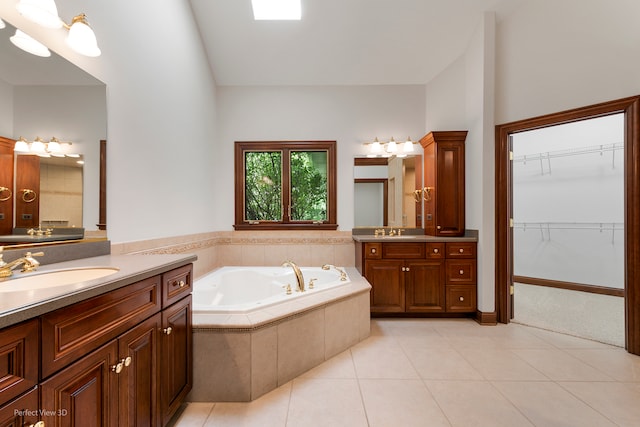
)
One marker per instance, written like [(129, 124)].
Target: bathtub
[(247, 289), (250, 336)]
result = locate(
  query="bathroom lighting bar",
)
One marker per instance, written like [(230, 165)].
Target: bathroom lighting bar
[(391, 148), (276, 10)]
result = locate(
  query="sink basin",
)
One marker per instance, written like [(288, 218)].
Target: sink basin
[(52, 279)]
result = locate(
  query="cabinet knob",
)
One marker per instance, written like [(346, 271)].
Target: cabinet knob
[(438, 227), (127, 361), (179, 283), (461, 250), (436, 250), (117, 368), (373, 250), (461, 298), (461, 271), (167, 331)]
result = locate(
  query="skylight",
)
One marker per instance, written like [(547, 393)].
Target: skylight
[(276, 10)]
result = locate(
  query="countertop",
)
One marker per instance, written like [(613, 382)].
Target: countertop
[(470, 236), (18, 305)]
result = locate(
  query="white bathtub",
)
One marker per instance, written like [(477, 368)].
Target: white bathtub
[(246, 289)]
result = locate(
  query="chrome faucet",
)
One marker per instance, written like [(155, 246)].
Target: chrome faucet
[(343, 274), (298, 272), (28, 262)]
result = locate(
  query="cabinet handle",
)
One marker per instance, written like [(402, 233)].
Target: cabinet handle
[(461, 271), (373, 250), (461, 298), (126, 361), (117, 368), (438, 227), (167, 331), (436, 250), (179, 283), (461, 250), (38, 424)]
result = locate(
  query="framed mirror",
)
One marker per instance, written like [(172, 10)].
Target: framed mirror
[(50, 97), (385, 192)]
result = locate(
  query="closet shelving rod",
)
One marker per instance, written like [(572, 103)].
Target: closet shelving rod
[(569, 152)]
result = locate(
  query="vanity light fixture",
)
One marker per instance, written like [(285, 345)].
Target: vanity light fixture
[(41, 148), (2, 24), (391, 148), (81, 37), (29, 44), (22, 146), (276, 10)]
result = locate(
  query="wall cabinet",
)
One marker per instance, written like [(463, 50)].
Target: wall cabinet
[(444, 181), (424, 277), (118, 359)]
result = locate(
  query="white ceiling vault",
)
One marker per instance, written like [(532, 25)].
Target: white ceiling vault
[(340, 42)]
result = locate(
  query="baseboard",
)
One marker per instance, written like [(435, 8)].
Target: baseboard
[(486, 318)]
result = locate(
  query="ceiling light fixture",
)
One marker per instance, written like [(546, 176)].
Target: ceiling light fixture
[(81, 37), (276, 10)]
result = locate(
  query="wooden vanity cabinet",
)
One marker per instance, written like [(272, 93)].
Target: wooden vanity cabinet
[(444, 181), (18, 359), (22, 411), (424, 277), (119, 359)]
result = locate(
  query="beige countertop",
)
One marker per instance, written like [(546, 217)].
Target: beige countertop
[(17, 305), (470, 236)]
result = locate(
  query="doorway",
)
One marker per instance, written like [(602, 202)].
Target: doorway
[(630, 108)]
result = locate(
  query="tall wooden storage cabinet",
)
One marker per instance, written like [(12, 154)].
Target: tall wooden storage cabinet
[(444, 190)]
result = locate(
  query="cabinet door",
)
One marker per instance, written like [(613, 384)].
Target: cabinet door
[(85, 393), (18, 359), (176, 376), (21, 412), (424, 284), (450, 180), (138, 350), (387, 288)]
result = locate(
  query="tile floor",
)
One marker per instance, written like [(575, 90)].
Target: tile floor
[(429, 372)]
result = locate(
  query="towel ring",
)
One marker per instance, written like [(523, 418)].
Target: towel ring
[(5, 190), (426, 193), (28, 195)]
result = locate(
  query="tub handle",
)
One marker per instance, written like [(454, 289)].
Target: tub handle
[(312, 283), (167, 331)]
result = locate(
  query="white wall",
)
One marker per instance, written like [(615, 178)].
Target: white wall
[(350, 115), (161, 128), (6, 108), (555, 55)]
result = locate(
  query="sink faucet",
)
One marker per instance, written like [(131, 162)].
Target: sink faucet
[(28, 262), (298, 272)]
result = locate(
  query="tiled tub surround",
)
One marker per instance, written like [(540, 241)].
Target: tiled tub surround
[(240, 357)]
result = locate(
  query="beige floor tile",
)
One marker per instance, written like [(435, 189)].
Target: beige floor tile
[(382, 357), (501, 364), (549, 405), (441, 364), (339, 366), (195, 414), (619, 402), (560, 366), (269, 410), (475, 403), (403, 403), (326, 402), (615, 362), (567, 341)]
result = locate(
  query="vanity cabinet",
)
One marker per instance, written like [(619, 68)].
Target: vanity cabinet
[(444, 181), (21, 412), (419, 277), (122, 358)]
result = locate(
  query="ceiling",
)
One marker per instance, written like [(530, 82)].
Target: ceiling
[(340, 42)]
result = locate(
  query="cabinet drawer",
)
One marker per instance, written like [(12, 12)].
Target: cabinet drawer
[(72, 332), (435, 250), (18, 359), (403, 250), (176, 284), (461, 299), (461, 250), (461, 272), (373, 250), (21, 412)]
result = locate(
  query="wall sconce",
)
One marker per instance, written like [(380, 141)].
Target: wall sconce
[(52, 148), (388, 149), (81, 37)]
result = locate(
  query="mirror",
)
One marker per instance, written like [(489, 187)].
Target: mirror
[(385, 192), (50, 97)]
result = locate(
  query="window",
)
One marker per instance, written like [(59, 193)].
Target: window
[(285, 185)]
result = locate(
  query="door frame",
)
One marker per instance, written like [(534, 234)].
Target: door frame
[(504, 209)]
